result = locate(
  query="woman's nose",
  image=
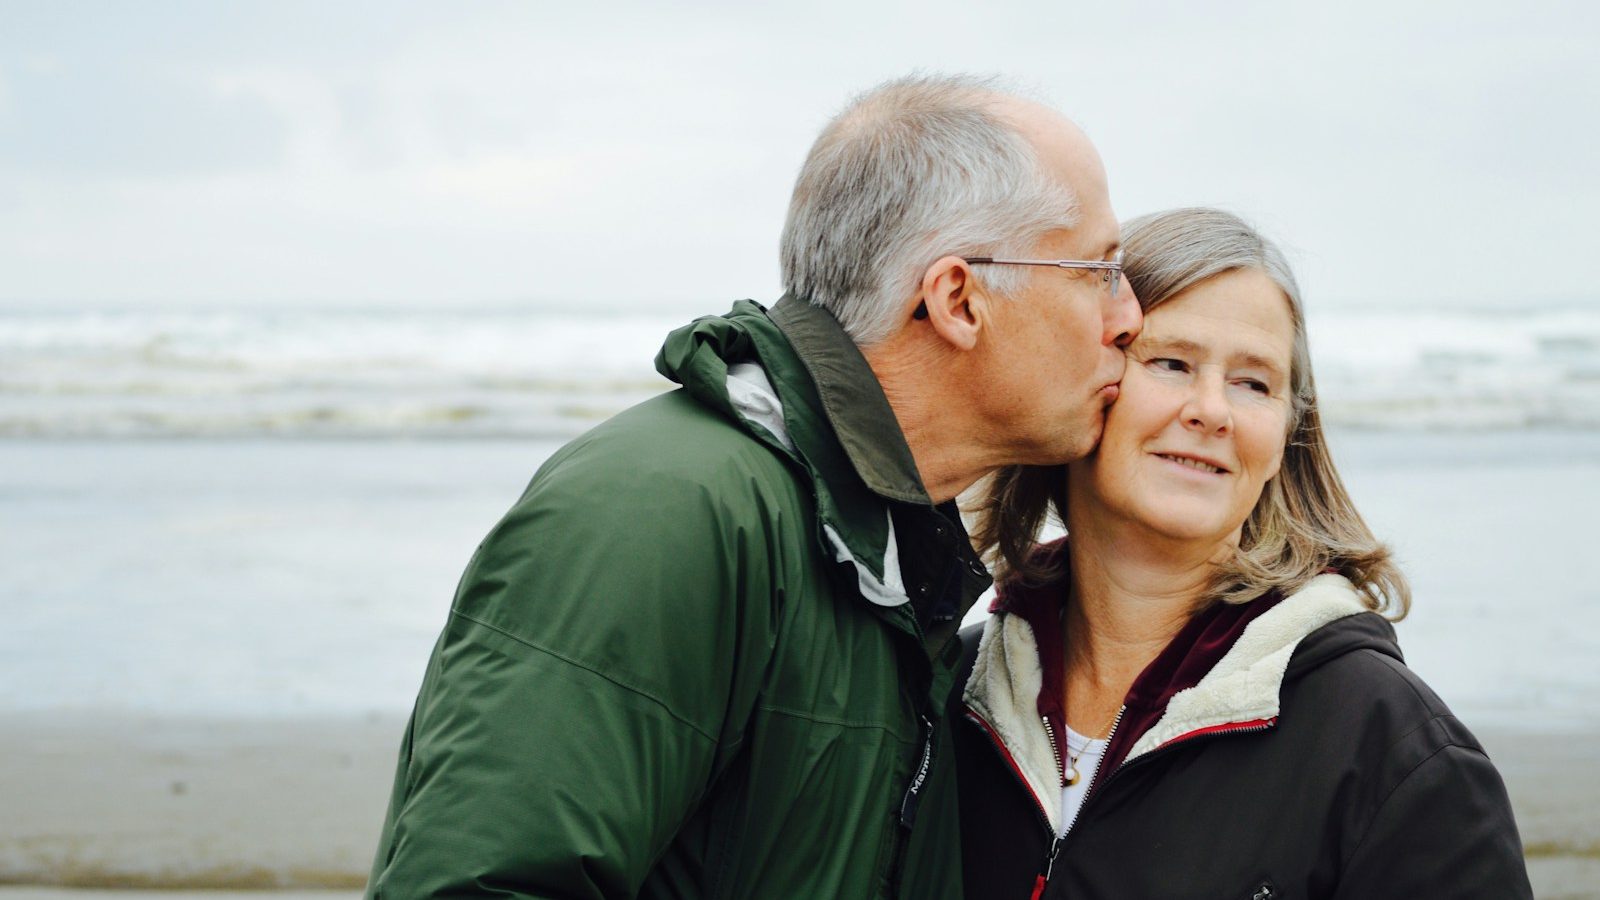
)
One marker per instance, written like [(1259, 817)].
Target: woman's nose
[(1207, 409)]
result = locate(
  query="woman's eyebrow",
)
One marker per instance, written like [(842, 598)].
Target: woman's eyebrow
[(1157, 346), (1169, 345), (1257, 361)]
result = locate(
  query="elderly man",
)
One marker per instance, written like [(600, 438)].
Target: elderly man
[(707, 652)]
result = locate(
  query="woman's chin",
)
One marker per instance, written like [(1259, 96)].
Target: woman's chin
[(1189, 527)]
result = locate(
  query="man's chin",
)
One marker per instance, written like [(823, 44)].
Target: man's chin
[(1083, 442), (1092, 434), (1089, 448)]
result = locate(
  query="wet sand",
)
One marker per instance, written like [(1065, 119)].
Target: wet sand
[(99, 805), (102, 801)]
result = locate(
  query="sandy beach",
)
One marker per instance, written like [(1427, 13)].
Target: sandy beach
[(107, 800), (208, 806)]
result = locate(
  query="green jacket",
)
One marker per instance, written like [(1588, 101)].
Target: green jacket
[(684, 664)]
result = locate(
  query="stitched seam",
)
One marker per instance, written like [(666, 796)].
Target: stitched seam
[(825, 720), (576, 663), (1401, 668), (1356, 851)]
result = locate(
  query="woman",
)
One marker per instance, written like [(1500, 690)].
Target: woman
[(1198, 687)]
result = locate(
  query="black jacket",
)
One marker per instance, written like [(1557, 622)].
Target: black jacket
[(1301, 765)]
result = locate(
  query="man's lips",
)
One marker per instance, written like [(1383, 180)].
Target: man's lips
[(1109, 393)]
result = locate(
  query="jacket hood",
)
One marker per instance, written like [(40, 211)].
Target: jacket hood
[(797, 383), (1372, 632)]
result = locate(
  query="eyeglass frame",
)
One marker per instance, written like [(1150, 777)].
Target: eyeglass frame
[(1112, 268)]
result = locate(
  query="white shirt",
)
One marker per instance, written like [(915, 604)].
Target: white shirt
[(1088, 763)]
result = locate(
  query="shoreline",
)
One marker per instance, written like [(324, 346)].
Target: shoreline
[(183, 802), (141, 802)]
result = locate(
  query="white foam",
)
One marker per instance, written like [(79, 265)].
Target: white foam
[(234, 373), (551, 374)]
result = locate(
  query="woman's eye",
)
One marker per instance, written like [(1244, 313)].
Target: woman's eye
[(1169, 364), (1259, 387)]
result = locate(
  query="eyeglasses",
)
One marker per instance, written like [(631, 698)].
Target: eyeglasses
[(1111, 269)]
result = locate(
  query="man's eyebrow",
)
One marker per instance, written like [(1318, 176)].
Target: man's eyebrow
[(1156, 346)]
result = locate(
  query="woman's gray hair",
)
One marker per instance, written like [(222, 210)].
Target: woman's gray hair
[(1304, 523), (911, 171)]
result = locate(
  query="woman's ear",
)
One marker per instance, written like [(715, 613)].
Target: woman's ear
[(951, 304)]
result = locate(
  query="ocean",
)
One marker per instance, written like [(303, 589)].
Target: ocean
[(237, 513), (542, 374)]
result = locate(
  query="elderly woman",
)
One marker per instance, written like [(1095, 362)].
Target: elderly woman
[(1197, 692)]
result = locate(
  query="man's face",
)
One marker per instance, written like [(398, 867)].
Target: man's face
[(1058, 343)]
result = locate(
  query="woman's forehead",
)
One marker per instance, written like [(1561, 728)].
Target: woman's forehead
[(1240, 315)]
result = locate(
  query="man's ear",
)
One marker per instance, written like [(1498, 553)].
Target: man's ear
[(951, 303)]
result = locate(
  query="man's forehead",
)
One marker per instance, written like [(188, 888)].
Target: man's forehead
[(1067, 154), (1060, 143), (1087, 240)]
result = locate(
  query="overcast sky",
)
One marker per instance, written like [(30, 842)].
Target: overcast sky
[(640, 155)]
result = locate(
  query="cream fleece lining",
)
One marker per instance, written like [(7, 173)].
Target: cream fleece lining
[(1004, 690), (1242, 687)]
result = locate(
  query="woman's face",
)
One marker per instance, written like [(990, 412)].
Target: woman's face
[(1203, 417)]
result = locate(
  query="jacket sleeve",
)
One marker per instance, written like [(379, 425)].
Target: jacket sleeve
[(601, 657), (1446, 830)]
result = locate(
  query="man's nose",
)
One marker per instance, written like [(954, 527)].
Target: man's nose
[(1124, 319)]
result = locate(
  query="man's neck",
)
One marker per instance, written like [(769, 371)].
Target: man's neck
[(939, 429)]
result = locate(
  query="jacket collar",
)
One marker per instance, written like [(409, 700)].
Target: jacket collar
[(853, 400), (1224, 670), (853, 515)]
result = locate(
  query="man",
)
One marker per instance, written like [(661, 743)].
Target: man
[(706, 654)]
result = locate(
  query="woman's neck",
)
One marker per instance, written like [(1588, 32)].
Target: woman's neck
[(1126, 601)]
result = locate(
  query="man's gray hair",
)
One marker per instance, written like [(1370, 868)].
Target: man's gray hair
[(911, 171)]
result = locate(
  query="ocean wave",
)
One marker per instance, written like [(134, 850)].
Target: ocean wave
[(426, 374)]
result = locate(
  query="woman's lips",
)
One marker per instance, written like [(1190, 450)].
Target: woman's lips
[(1191, 464)]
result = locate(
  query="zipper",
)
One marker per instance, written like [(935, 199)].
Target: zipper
[(1229, 728), (1011, 763), (1089, 791), (913, 795), (1056, 840), (1097, 784), (1181, 740), (999, 747), (1055, 750), (1043, 879), (909, 802), (1199, 735)]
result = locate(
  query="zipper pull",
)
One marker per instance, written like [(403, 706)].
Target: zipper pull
[(913, 795), (1049, 867)]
